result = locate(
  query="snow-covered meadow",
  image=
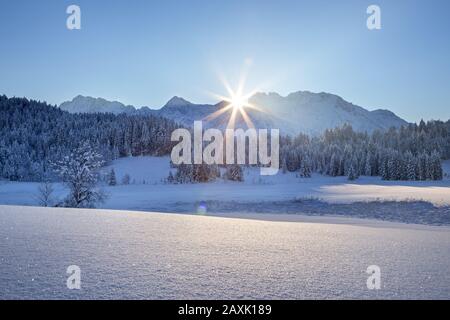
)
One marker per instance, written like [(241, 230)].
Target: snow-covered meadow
[(308, 243), (153, 171), (282, 193), (132, 255)]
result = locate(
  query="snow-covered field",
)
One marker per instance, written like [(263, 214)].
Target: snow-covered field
[(161, 256), (153, 170), (315, 253), (148, 192)]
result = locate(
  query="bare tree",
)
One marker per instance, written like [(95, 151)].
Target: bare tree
[(45, 194)]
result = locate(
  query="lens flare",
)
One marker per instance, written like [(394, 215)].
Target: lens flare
[(236, 104)]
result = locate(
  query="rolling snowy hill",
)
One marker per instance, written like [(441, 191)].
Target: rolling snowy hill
[(130, 255), (299, 112)]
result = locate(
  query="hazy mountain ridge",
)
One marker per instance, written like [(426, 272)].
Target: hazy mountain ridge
[(300, 111), (86, 104)]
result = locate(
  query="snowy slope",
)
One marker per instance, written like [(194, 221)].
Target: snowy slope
[(185, 112), (161, 256), (302, 111)]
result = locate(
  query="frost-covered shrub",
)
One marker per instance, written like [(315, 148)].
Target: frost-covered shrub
[(192, 173), (80, 173)]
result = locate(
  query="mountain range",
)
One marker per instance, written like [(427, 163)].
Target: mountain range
[(298, 112)]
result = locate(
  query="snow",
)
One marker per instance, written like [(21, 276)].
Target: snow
[(152, 170), (82, 104), (256, 188), (268, 194), (301, 111), (275, 255), (160, 256), (312, 113)]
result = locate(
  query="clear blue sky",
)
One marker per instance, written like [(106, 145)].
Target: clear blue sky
[(145, 52)]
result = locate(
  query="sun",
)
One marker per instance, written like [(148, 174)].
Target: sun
[(238, 102), (236, 99)]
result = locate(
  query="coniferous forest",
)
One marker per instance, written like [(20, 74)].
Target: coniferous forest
[(34, 134), (413, 152)]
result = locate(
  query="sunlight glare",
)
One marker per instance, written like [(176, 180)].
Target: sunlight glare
[(236, 103)]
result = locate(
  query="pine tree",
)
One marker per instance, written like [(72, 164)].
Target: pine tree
[(126, 179), (368, 166), (422, 166), (305, 168), (335, 165), (283, 165), (112, 181), (170, 178), (436, 172), (204, 172), (351, 173), (184, 173), (411, 166), (384, 167)]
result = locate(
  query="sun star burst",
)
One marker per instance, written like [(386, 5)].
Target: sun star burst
[(236, 102)]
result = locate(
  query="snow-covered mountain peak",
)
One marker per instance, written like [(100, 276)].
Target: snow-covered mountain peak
[(86, 104), (177, 102), (298, 112)]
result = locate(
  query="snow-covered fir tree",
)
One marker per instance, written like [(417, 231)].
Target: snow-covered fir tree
[(111, 178), (126, 179), (351, 173), (305, 168)]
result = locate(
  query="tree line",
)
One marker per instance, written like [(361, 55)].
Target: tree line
[(413, 152), (34, 134)]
